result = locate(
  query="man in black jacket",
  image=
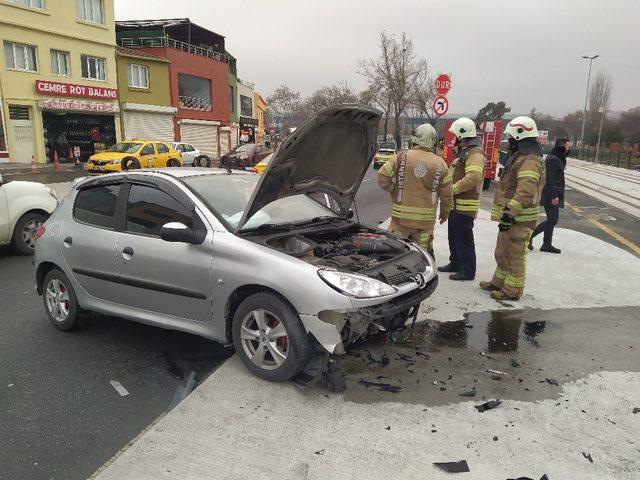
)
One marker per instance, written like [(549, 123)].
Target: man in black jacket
[(552, 198)]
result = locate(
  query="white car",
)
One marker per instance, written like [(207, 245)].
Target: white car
[(24, 207), (191, 156)]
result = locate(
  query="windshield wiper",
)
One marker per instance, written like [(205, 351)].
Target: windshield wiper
[(266, 226)]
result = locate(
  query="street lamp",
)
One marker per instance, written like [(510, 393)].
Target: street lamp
[(586, 97)]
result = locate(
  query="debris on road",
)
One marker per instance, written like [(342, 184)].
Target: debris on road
[(552, 381), (636, 410), (495, 438), (543, 477), (183, 390), (119, 388), (383, 387), (334, 378), (319, 452), (587, 456), (498, 372), (453, 467), (514, 363), (490, 405), (468, 393)]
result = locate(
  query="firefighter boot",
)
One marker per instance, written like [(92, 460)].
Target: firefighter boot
[(500, 295), (488, 286)]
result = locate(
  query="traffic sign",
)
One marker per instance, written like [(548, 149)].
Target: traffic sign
[(440, 105), (443, 84)]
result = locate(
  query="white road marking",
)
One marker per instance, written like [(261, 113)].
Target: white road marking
[(119, 388)]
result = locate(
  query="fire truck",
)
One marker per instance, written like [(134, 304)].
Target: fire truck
[(491, 133)]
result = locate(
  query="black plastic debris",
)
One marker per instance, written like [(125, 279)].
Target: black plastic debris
[(453, 467), (406, 358), (388, 427), (319, 452), (495, 438), (420, 354), (383, 387), (514, 363), (543, 477), (490, 405), (496, 377), (552, 381), (383, 362), (468, 393), (636, 410), (381, 377), (587, 456)]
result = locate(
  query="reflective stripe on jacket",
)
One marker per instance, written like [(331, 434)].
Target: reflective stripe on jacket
[(467, 174)]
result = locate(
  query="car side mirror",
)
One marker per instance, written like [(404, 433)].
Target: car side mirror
[(177, 232)]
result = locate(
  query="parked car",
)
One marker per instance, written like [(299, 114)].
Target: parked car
[(244, 156), (385, 152), (238, 257), (191, 156), (260, 167), (134, 155), (24, 207)]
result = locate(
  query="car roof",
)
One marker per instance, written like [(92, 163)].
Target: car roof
[(175, 172)]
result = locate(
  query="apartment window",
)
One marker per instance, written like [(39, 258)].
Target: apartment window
[(246, 106), (232, 98), (90, 10), (92, 68), (28, 3), (194, 93), (20, 57), (138, 76), (60, 63)]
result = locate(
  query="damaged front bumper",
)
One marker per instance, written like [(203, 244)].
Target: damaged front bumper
[(335, 329)]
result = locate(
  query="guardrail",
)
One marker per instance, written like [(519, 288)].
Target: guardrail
[(172, 43)]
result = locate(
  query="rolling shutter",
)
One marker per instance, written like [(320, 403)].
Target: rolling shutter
[(225, 137), (148, 125), (203, 137)]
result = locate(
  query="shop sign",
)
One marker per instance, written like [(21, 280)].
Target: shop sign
[(58, 104), (75, 90)]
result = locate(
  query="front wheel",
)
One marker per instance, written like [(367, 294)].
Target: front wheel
[(24, 240), (173, 163), (60, 301), (130, 163), (203, 161), (269, 337)]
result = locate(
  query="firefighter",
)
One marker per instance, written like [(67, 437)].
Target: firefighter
[(467, 175), (516, 209), (416, 180)]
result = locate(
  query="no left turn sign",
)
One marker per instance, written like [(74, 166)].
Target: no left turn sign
[(440, 105)]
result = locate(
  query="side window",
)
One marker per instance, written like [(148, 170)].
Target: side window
[(147, 149), (181, 148), (162, 148), (189, 148), (97, 206), (148, 209)]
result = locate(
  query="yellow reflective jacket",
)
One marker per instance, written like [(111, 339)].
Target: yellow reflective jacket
[(416, 180), (467, 174), (519, 189)]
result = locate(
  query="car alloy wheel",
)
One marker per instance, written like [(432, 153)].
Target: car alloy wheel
[(57, 300), (264, 339), (28, 233)]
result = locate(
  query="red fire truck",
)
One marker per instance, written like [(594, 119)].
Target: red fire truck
[(491, 133)]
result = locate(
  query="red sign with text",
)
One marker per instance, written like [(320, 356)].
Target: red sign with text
[(74, 90), (443, 84)]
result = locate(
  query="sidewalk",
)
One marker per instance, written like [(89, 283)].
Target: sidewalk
[(16, 168)]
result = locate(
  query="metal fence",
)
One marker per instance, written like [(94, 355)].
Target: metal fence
[(172, 43), (623, 158)]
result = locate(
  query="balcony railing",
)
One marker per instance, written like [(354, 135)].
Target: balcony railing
[(194, 103), (172, 43)]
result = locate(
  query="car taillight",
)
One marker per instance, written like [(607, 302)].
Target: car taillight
[(39, 232)]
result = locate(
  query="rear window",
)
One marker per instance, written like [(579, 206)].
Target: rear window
[(162, 148), (97, 206)]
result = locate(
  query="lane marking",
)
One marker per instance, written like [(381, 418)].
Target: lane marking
[(119, 388), (629, 244)]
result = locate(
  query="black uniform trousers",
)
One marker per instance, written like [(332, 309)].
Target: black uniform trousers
[(553, 214), (462, 247)]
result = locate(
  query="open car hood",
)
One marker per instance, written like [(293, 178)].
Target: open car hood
[(329, 153)]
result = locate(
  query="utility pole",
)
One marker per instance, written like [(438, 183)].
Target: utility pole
[(586, 97)]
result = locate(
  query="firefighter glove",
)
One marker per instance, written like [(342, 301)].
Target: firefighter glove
[(506, 221)]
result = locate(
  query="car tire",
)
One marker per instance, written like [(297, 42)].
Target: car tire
[(130, 163), (279, 357), (173, 163), (23, 240), (202, 161), (60, 301)]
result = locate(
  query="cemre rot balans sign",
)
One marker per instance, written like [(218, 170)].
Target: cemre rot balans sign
[(74, 90)]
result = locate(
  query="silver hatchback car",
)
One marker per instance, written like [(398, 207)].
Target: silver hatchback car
[(256, 261)]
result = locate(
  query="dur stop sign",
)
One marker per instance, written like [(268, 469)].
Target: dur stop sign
[(443, 84)]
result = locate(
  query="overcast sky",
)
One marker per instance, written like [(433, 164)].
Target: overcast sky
[(525, 53)]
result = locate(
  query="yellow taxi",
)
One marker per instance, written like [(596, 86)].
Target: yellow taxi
[(385, 152), (133, 155), (260, 167)]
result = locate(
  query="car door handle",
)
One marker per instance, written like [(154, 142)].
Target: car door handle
[(68, 241), (127, 251)]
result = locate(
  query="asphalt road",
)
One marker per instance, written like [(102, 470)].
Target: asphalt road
[(61, 417)]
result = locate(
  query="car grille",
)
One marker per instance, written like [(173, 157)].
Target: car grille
[(100, 162)]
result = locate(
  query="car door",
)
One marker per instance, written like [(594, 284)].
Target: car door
[(159, 276), (162, 155), (190, 153), (88, 239), (147, 156), (4, 216)]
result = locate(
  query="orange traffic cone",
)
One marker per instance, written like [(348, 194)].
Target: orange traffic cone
[(56, 161), (33, 164)]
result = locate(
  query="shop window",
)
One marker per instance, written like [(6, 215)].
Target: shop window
[(60, 63), (194, 93), (90, 11), (138, 76), (149, 209), (20, 57), (246, 106), (28, 3), (92, 68), (97, 206)]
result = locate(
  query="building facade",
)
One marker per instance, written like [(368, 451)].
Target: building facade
[(146, 109), (261, 110), (233, 100), (247, 119), (58, 78), (198, 77)]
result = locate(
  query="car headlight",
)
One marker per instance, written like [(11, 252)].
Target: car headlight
[(115, 161), (354, 285)]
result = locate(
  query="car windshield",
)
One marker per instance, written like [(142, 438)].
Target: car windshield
[(247, 147), (229, 195), (125, 147), (388, 146)]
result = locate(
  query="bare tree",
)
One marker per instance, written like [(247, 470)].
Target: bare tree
[(328, 97), (423, 97), (397, 73), (600, 93), (285, 106), (377, 96)]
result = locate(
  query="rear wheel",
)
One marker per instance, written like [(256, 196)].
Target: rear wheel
[(173, 163), (269, 337), (130, 163), (24, 240), (203, 161), (60, 301)]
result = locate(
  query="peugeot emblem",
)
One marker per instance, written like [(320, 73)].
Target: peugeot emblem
[(420, 280)]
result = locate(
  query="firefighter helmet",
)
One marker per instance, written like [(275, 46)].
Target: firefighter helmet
[(463, 128), (521, 128), (425, 136)]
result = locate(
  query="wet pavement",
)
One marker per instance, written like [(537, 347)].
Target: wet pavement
[(508, 354)]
